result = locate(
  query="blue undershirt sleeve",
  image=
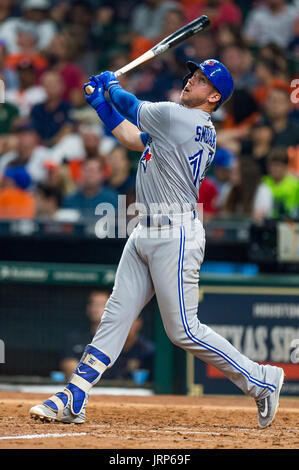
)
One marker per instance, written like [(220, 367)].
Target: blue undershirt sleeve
[(126, 103), (144, 137)]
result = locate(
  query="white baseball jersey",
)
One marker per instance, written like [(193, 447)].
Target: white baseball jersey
[(181, 147)]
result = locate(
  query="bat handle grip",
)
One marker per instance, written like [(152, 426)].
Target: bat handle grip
[(90, 89)]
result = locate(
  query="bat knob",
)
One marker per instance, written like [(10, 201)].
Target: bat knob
[(89, 89)]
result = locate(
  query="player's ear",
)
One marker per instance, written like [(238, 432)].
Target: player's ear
[(214, 97)]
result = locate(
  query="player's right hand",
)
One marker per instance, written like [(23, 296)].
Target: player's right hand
[(97, 97)]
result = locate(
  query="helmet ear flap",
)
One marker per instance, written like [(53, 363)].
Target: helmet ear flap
[(186, 78)]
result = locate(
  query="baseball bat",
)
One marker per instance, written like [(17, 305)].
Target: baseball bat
[(170, 41)]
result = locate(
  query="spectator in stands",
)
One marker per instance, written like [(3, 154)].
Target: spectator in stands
[(207, 196), (284, 187), (77, 339), (92, 141), (27, 49), (105, 33), (293, 48), (228, 35), (122, 179), (61, 53), (6, 9), (16, 202), (276, 55), (59, 177), (239, 60), (258, 145), (28, 152), (34, 13), (218, 11), (47, 202), (271, 22), (137, 352), (59, 12), (205, 46), (242, 110), (80, 18), (277, 109), (248, 195), (29, 93), (86, 141), (174, 19), (51, 118), (26, 40), (268, 75), (8, 114), (148, 17), (91, 190), (222, 166), (8, 75), (162, 79)]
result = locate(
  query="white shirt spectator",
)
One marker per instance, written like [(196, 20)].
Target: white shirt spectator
[(263, 200), (71, 147), (8, 32), (35, 165), (25, 100), (262, 26)]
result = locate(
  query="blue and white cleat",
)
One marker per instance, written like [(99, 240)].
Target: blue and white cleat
[(267, 407), (69, 406), (58, 408)]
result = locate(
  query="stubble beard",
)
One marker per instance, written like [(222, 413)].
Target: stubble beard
[(190, 102)]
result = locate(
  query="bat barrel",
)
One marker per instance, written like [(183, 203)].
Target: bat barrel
[(170, 41), (186, 31)]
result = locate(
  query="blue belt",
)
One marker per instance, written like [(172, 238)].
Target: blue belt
[(157, 221)]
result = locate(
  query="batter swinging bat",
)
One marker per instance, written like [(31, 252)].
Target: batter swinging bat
[(172, 40)]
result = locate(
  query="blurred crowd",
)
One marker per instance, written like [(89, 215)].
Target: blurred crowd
[(57, 160)]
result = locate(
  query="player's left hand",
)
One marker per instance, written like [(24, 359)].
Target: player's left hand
[(97, 97), (107, 79)]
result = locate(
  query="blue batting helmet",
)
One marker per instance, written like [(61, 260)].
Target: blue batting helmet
[(218, 75)]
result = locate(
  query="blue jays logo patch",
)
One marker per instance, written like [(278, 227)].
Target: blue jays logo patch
[(146, 156)]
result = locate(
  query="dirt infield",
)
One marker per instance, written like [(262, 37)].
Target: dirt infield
[(153, 422)]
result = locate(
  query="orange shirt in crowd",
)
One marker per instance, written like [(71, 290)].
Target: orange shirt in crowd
[(39, 62), (260, 92), (16, 204)]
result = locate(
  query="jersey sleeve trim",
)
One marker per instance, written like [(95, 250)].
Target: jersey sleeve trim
[(138, 115)]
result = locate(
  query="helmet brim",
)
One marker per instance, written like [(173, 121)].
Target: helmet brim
[(192, 66)]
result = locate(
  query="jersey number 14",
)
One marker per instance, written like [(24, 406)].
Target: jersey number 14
[(195, 162)]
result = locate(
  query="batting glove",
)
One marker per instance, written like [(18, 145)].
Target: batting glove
[(107, 79), (97, 97), (109, 115)]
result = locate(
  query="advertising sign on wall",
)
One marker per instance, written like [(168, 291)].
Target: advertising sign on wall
[(261, 322)]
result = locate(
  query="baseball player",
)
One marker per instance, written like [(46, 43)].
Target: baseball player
[(164, 253)]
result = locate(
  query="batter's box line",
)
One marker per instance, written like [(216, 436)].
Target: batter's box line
[(43, 436)]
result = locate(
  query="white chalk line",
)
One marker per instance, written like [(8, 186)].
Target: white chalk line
[(42, 436), (169, 430)]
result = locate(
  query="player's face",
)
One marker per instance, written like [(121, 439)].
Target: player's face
[(199, 91)]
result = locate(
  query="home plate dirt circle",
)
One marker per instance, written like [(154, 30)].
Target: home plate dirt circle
[(150, 422)]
